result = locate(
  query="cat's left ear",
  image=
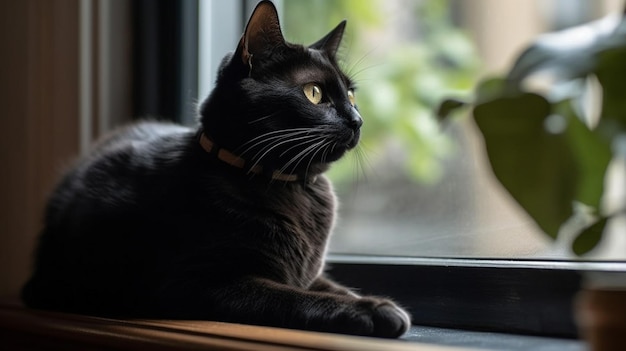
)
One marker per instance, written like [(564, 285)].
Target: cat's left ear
[(262, 32), (330, 43)]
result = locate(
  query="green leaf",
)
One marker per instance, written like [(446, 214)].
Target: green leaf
[(592, 154), (536, 167), (490, 89), (447, 107), (589, 237), (611, 72)]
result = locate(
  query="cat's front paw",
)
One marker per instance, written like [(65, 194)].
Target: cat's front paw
[(371, 316), (389, 320)]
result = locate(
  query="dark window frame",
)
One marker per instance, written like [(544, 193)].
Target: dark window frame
[(165, 59)]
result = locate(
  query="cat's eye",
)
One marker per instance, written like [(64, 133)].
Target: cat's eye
[(313, 92), (351, 97)]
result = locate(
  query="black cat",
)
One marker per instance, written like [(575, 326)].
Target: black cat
[(228, 222)]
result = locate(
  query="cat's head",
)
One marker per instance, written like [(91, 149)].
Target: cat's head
[(282, 106)]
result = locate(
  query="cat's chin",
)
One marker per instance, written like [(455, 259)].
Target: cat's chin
[(352, 140), (337, 153)]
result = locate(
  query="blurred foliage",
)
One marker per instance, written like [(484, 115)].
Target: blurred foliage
[(551, 147), (400, 77)]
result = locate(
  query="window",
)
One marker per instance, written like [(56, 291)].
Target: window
[(422, 191), (422, 217), (425, 220)]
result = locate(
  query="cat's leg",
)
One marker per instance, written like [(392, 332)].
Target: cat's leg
[(265, 302), (326, 311), (324, 284)]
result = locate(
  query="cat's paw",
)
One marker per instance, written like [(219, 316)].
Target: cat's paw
[(389, 320), (370, 316)]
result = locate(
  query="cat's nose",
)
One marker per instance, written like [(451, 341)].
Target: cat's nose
[(355, 120)]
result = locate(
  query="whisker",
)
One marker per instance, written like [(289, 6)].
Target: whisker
[(354, 75), (367, 150), (275, 145), (300, 156), (263, 118), (350, 70), (268, 139), (318, 131), (271, 133), (315, 137), (361, 161), (327, 149), (308, 166)]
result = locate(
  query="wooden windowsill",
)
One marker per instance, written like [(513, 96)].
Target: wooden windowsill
[(23, 328)]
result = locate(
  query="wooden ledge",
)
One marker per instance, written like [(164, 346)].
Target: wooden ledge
[(23, 328)]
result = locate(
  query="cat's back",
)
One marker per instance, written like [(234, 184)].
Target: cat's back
[(145, 131), (95, 217), (119, 169), (140, 144)]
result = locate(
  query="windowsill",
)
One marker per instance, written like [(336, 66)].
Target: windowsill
[(492, 341), (25, 328)]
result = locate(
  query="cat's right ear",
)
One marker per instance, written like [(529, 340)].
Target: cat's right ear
[(262, 33), (330, 43)]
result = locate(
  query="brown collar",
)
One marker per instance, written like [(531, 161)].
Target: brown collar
[(228, 157)]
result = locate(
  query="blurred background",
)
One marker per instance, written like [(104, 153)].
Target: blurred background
[(72, 70)]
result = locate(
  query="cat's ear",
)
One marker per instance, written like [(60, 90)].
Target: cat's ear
[(330, 43), (262, 32)]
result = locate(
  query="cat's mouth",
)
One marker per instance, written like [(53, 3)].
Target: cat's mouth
[(354, 140), (349, 139), (346, 142)]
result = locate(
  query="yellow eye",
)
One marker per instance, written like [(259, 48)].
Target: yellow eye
[(351, 97), (313, 92)]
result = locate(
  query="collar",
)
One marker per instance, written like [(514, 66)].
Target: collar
[(228, 157)]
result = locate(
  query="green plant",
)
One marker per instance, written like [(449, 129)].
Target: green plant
[(550, 147)]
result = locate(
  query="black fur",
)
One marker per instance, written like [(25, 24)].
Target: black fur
[(151, 225)]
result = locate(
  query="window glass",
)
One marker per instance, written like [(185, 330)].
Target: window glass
[(417, 187)]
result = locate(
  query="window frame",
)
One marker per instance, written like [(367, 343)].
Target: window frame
[(165, 59)]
